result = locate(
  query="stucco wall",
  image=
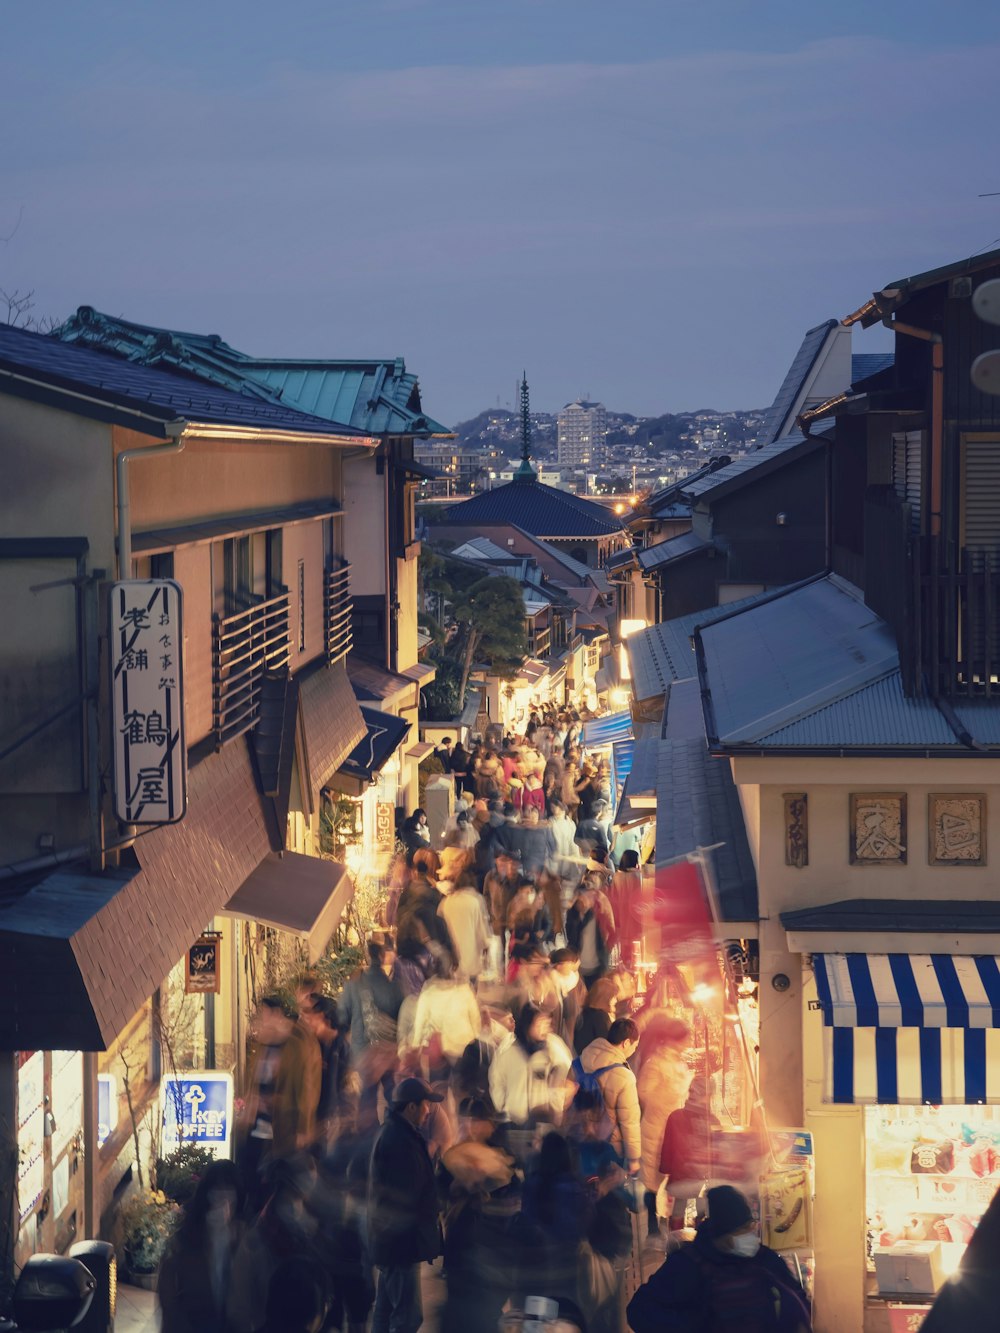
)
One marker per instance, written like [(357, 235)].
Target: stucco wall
[(364, 526), (208, 480)]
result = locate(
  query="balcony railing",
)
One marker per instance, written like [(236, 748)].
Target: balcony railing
[(338, 612), (244, 646), (957, 622), (540, 642)]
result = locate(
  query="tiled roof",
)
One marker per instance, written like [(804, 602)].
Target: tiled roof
[(777, 417), (673, 550), (866, 364), (480, 548), (371, 682), (669, 501), (375, 397), (583, 572), (697, 805), (754, 465), (665, 652), (44, 368), (332, 718), (543, 511), (815, 669)]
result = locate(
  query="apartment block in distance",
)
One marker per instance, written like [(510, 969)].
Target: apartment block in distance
[(582, 428)]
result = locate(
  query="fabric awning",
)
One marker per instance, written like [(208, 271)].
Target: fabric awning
[(303, 895), (910, 1029), (607, 730), (385, 734), (622, 754)]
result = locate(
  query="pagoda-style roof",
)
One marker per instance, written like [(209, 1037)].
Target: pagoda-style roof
[(543, 511)]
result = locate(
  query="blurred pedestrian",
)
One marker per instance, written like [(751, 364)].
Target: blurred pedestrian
[(590, 930), (726, 1280), (625, 897), (369, 1010), (465, 913), (194, 1275), (555, 1212), (970, 1300), (528, 1074), (663, 1082), (687, 1156), (597, 1014), (605, 1060), (297, 1297), (403, 1223)]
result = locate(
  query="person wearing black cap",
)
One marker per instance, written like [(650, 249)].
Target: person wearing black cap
[(725, 1279), (403, 1225)]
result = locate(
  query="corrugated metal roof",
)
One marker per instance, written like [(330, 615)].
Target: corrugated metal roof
[(771, 665), (776, 419), (665, 652), (377, 397), (753, 465), (815, 668), (876, 714), (481, 548), (161, 393), (543, 511), (697, 805), (669, 552), (683, 719)]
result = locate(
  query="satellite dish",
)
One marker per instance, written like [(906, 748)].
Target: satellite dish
[(986, 373), (986, 301)]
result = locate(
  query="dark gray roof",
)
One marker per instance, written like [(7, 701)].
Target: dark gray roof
[(697, 805), (683, 718), (541, 510), (45, 369), (754, 465), (866, 915), (815, 669), (665, 652), (777, 417), (669, 552)]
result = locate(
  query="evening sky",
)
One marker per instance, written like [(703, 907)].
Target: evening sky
[(648, 201)]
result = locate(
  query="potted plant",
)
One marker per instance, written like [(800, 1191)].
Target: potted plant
[(178, 1173), (148, 1219)]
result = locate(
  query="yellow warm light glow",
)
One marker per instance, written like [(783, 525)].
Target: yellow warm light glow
[(619, 698), (702, 993), (627, 627), (619, 508)]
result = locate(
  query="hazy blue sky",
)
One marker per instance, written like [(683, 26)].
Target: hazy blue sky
[(646, 200)]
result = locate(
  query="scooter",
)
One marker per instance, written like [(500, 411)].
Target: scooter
[(56, 1292)]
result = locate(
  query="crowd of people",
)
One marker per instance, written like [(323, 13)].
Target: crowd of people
[(488, 1089)]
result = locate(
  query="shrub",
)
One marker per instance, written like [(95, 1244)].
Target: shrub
[(178, 1173)]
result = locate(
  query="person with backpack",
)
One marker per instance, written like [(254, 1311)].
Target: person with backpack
[(724, 1281), (603, 1067)]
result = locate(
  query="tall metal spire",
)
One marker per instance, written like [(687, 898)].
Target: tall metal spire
[(525, 472)]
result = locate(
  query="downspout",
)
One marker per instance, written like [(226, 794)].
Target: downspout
[(937, 411), (175, 429)]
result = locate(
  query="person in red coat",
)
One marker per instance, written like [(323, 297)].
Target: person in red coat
[(686, 1155)]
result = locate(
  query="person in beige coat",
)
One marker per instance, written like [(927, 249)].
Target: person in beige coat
[(608, 1057), (664, 1079)]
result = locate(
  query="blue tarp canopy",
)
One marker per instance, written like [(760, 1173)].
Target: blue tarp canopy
[(607, 730)]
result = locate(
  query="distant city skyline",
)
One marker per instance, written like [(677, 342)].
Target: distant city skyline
[(652, 201)]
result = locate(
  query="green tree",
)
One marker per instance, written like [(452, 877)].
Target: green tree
[(490, 615)]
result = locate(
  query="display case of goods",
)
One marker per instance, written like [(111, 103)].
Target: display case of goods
[(786, 1200), (931, 1173)]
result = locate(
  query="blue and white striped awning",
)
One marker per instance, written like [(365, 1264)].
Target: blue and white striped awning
[(910, 1029), (607, 730)]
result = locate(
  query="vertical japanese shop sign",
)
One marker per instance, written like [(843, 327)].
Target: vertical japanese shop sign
[(148, 701)]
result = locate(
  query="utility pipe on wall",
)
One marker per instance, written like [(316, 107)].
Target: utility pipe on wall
[(937, 411)]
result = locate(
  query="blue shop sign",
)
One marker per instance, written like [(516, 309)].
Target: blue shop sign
[(197, 1108)]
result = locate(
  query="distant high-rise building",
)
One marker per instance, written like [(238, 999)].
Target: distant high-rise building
[(581, 434)]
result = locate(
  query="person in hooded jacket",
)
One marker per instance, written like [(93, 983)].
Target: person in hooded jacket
[(607, 1058), (528, 1073), (725, 1280)]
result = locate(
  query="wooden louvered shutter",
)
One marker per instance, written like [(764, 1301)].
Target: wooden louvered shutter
[(907, 456), (980, 536), (981, 495)]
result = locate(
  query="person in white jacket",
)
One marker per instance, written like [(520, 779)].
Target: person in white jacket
[(528, 1072), (608, 1057), (464, 912), (446, 1010)]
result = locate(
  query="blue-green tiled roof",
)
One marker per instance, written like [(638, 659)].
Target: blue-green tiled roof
[(376, 397), (47, 369)]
